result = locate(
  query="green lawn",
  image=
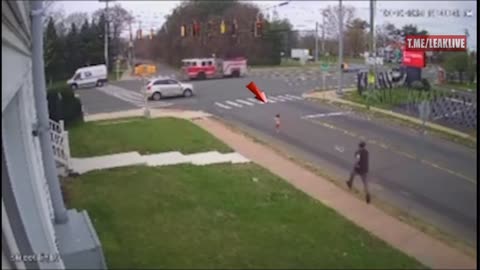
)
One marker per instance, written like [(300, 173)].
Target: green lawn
[(459, 86), (216, 216), (388, 99), (142, 135)]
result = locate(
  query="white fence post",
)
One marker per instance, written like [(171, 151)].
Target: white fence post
[(66, 143)]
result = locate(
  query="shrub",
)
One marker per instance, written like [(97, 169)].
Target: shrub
[(417, 85), (426, 85), (63, 105)]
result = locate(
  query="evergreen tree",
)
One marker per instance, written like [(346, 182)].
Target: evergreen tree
[(85, 43), (54, 61), (72, 52)]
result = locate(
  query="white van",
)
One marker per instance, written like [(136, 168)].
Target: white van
[(88, 77)]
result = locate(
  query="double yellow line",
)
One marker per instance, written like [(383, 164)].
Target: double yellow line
[(397, 151)]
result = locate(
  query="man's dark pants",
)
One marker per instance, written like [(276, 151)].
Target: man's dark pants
[(363, 176)]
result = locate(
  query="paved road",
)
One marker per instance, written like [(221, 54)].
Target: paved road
[(432, 179)]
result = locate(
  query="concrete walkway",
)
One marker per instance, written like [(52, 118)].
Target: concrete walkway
[(331, 96), (429, 251), (154, 113), (84, 165)]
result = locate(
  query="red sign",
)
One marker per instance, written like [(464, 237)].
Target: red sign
[(414, 59), (436, 43)]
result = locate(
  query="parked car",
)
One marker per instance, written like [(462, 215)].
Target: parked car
[(159, 88), (88, 77)]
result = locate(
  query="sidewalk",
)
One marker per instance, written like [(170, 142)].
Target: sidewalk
[(154, 113), (411, 241), (331, 96), (84, 165)]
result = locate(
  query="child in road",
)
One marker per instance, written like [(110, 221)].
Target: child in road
[(277, 122)]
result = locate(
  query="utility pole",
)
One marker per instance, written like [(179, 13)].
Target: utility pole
[(106, 33), (130, 45), (374, 42), (323, 34), (340, 48), (316, 41)]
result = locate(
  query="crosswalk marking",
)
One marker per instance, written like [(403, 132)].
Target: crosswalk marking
[(255, 101), (123, 94), (287, 97), (277, 99), (135, 98), (233, 104), (244, 102), (252, 101), (270, 100), (295, 97), (222, 106), (282, 98)]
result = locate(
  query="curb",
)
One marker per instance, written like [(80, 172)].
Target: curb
[(328, 97)]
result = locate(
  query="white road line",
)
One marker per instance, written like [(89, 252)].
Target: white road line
[(222, 106), (277, 99), (270, 100), (233, 104), (286, 97), (120, 93), (319, 115), (255, 101), (295, 97), (244, 102)]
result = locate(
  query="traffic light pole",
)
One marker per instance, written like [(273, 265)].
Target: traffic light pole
[(106, 33), (323, 34), (372, 54), (316, 41), (340, 49), (146, 111)]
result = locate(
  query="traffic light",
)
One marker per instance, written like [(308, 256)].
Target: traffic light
[(234, 27), (258, 28), (210, 28), (223, 27), (196, 29), (183, 30)]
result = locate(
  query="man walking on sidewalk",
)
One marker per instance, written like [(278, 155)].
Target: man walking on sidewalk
[(361, 169)]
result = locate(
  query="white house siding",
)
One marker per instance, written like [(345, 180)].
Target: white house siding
[(18, 100)]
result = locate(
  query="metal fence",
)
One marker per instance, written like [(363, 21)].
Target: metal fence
[(455, 109)]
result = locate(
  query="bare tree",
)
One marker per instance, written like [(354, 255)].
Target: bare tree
[(332, 13), (356, 37)]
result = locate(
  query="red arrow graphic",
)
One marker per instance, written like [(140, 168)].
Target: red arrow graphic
[(257, 92)]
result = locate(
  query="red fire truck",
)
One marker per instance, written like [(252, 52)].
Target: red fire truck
[(206, 68)]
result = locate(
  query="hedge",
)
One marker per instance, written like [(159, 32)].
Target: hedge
[(63, 105)]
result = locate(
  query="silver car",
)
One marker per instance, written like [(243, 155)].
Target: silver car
[(159, 88)]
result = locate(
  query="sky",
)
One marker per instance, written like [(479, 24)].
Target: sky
[(303, 14)]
